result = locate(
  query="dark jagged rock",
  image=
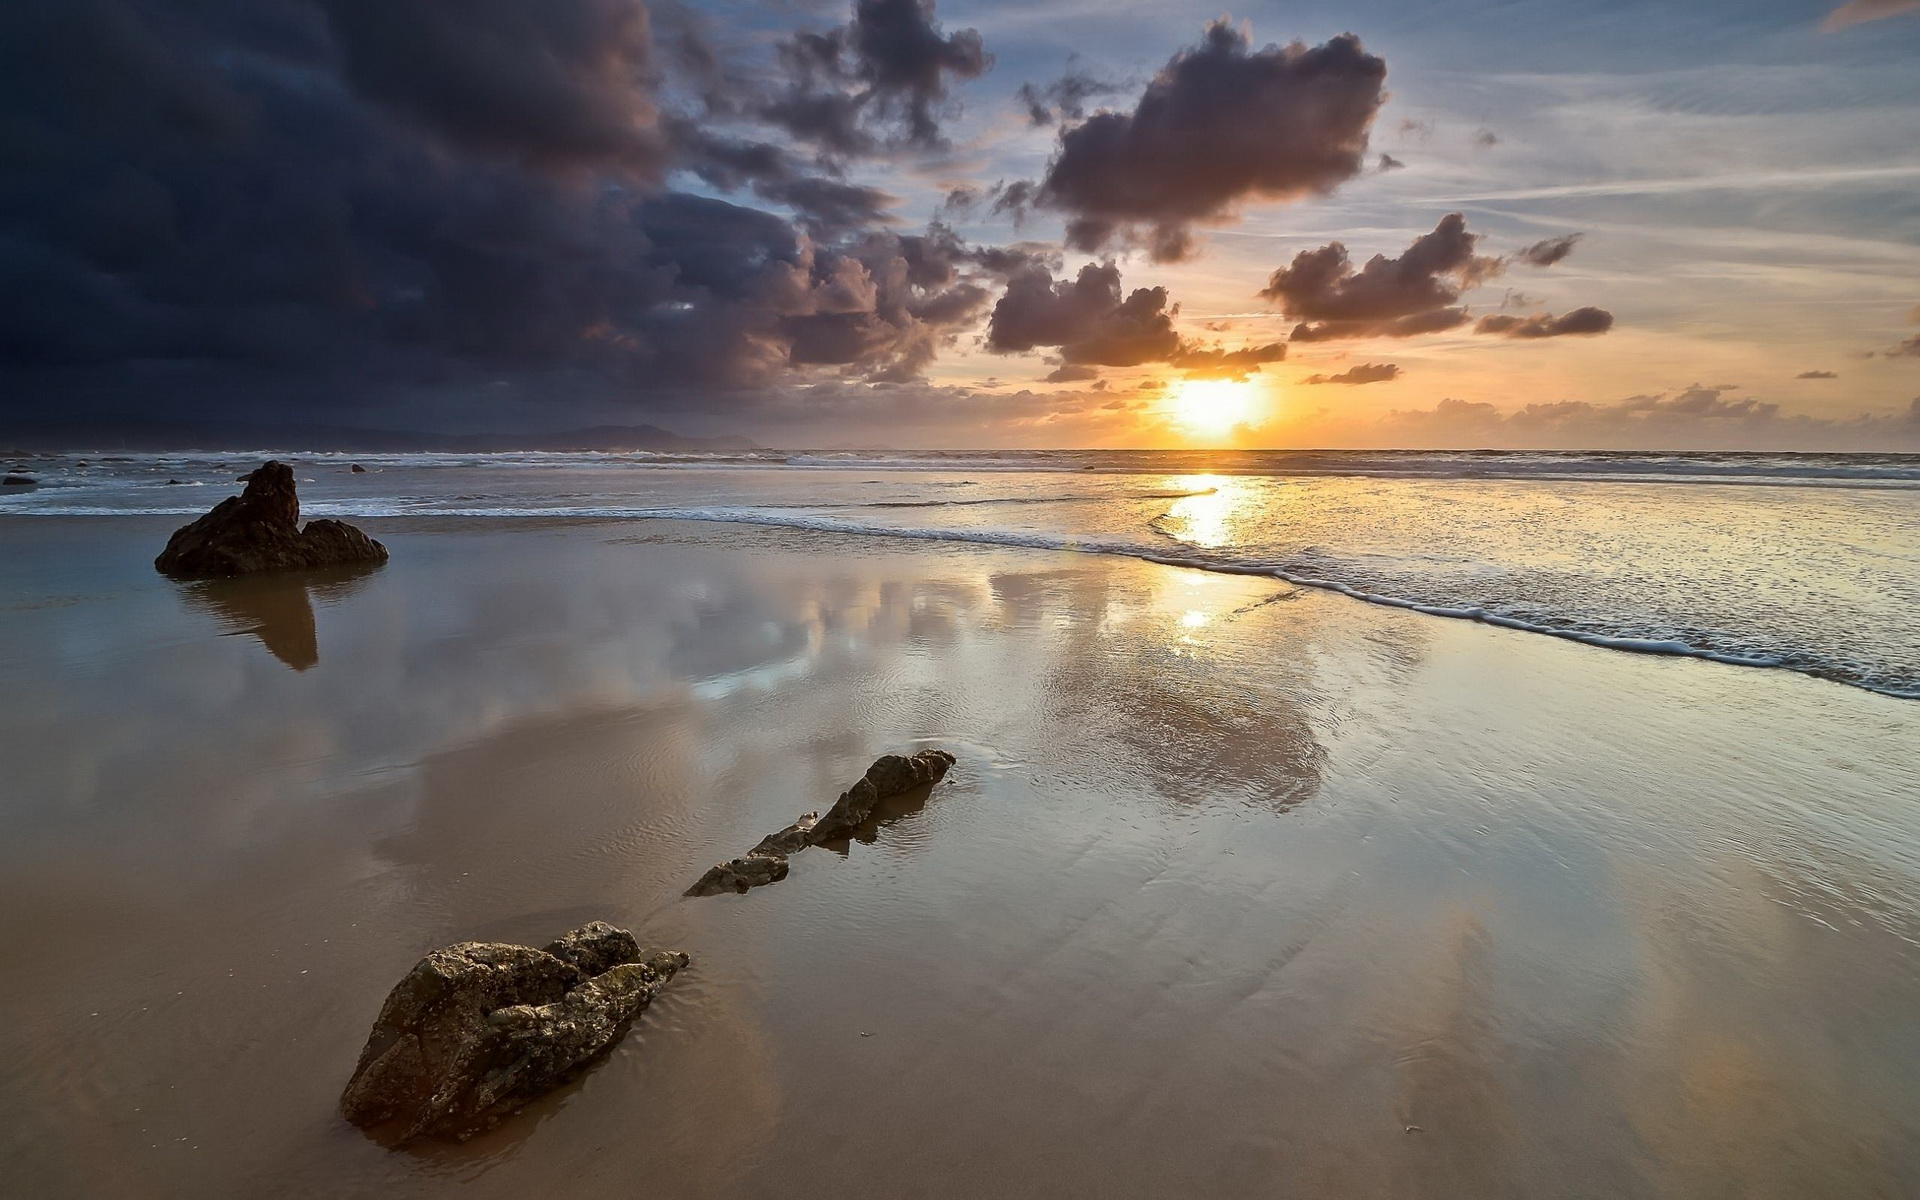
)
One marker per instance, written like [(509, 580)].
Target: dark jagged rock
[(890, 775), (19, 481), (478, 1029), (357, 469), (259, 530)]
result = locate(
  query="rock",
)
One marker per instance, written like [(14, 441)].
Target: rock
[(890, 775), (357, 469), (478, 1029), (595, 948), (19, 481), (173, 483), (790, 840), (259, 530), (739, 874)]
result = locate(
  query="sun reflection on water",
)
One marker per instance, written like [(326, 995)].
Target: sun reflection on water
[(1204, 518)]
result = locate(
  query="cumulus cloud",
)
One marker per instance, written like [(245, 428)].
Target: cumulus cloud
[(1548, 252), (1418, 292), (1856, 11), (1092, 321), (1582, 322), (1816, 375), (1220, 125), (881, 79), (1364, 373), (1088, 318)]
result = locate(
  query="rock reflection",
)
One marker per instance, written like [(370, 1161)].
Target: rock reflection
[(277, 608)]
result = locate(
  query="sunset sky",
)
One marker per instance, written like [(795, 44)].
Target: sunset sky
[(1635, 225)]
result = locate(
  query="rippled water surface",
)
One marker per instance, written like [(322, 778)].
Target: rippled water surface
[(1806, 562)]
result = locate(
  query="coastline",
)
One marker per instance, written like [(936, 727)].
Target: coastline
[(1225, 865)]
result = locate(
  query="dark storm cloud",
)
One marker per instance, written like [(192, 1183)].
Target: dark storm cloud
[(1418, 292), (1816, 375), (1220, 125), (1578, 322), (828, 206), (1364, 373), (337, 204), (558, 83), (1548, 252), (881, 79)]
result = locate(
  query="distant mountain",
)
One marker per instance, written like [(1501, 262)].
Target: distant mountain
[(207, 435)]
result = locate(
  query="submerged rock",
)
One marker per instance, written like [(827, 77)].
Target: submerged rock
[(890, 775), (19, 481), (740, 874), (478, 1029), (259, 530)]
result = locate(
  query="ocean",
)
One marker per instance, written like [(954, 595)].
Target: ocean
[(1801, 562)]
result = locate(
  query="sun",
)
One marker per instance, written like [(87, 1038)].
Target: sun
[(1213, 408)]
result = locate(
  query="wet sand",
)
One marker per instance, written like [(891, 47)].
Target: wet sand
[(1234, 890)]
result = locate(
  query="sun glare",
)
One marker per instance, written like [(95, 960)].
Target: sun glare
[(1213, 408)]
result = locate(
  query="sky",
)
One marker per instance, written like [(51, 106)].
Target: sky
[(896, 223)]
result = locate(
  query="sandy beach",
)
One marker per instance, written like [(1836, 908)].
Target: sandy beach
[(1237, 888)]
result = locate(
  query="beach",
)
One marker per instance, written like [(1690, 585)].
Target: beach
[(1240, 885)]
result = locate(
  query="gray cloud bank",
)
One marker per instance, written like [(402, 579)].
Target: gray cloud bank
[(1692, 418)]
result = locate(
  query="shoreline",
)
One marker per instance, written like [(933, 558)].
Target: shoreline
[(559, 517)]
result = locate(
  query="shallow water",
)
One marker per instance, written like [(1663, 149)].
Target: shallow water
[(1238, 887), (1805, 562)]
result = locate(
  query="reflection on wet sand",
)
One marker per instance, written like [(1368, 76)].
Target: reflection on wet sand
[(1137, 671), (1223, 895), (277, 607)]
